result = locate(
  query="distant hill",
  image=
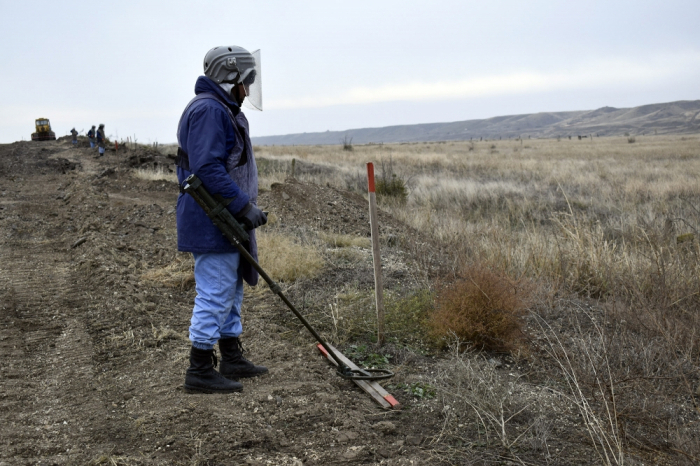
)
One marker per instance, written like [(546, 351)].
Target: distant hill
[(669, 118)]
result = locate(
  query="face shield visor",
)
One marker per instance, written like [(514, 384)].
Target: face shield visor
[(252, 81)]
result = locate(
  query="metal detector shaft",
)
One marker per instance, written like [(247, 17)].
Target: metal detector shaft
[(234, 232)]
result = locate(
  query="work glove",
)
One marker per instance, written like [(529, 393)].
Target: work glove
[(251, 217)]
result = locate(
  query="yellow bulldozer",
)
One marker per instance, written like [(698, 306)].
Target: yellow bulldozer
[(43, 131)]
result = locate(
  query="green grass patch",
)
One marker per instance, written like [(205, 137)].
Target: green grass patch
[(416, 389)]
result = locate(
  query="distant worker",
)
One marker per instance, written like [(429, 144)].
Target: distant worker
[(74, 133), (101, 139), (214, 144), (91, 137)]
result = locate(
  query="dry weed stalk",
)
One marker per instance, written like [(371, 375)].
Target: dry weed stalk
[(592, 354), (469, 382)]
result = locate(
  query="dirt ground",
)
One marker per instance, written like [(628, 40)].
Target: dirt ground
[(92, 356)]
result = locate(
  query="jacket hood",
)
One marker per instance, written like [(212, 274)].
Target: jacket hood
[(205, 84)]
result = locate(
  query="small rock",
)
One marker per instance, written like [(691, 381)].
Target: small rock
[(79, 242), (106, 172), (384, 453), (414, 440), (350, 454), (385, 427), (285, 196)]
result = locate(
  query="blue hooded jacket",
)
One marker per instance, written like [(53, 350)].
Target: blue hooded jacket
[(207, 135)]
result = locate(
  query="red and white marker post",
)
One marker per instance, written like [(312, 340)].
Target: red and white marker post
[(377, 259), (372, 387)]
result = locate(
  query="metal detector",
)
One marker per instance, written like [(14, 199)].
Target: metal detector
[(215, 208)]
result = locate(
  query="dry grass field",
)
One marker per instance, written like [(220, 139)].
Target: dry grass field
[(603, 232)]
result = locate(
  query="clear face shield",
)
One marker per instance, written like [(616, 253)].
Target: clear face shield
[(252, 82)]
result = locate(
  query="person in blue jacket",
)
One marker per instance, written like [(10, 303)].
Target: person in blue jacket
[(101, 140), (91, 137), (214, 144)]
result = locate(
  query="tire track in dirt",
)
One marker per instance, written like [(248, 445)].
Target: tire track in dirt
[(45, 351)]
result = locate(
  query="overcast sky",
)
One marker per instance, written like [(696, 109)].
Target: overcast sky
[(331, 65)]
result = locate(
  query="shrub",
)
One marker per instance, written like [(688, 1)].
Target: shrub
[(347, 143), (406, 315), (484, 309), (392, 187)]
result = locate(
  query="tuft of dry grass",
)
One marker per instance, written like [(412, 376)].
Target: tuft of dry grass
[(337, 240), (285, 259), (483, 309), (178, 274), (162, 334), (160, 173)]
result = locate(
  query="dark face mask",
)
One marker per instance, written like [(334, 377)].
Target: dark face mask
[(236, 91), (238, 94)]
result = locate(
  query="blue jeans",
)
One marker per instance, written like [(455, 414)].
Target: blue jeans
[(217, 306)]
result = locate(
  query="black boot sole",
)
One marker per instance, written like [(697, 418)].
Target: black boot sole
[(195, 389)]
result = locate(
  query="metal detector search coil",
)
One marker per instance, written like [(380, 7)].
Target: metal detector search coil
[(215, 208)]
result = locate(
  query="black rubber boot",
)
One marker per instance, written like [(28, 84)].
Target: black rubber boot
[(233, 364), (202, 377)]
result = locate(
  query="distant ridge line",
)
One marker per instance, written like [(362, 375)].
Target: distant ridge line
[(680, 117)]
